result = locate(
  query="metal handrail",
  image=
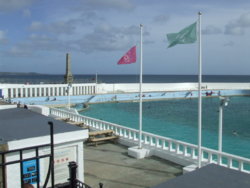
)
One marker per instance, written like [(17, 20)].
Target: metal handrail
[(3, 163)]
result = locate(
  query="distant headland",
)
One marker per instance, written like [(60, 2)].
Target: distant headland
[(20, 73)]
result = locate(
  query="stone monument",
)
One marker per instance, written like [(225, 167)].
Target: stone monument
[(68, 78)]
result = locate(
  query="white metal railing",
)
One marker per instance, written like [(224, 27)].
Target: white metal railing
[(179, 148)]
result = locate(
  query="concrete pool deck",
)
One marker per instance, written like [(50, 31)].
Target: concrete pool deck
[(110, 164)]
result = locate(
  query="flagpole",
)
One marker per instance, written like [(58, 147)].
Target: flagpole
[(200, 94), (140, 105)]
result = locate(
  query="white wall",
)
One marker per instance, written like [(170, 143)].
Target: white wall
[(36, 108), (28, 90), (159, 153), (3, 107), (151, 87), (134, 87), (67, 145), (131, 87), (44, 110)]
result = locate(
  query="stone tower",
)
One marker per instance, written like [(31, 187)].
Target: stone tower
[(68, 78)]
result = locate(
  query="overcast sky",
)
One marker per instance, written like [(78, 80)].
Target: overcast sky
[(35, 36)]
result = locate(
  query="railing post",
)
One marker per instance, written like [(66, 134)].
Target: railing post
[(210, 157), (170, 146), (177, 148), (129, 134), (185, 151), (145, 139), (163, 142), (157, 142), (241, 166), (72, 174), (52, 153), (229, 163)]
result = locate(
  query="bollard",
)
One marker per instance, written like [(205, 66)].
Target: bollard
[(72, 174)]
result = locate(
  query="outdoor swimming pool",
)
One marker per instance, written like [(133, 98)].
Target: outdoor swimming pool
[(177, 119)]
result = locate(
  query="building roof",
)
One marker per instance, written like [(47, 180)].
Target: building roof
[(210, 176), (19, 123)]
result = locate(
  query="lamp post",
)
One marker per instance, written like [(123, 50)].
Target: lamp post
[(69, 90), (223, 102)]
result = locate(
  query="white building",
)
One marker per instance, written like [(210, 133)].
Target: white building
[(20, 128)]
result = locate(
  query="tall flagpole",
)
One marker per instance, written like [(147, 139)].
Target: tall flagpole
[(200, 95), (140, 106)]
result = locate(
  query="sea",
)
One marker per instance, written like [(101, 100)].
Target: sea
[(50, 78), (175, 118)]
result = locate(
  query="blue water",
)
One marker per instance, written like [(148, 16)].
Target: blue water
[(178, 119)]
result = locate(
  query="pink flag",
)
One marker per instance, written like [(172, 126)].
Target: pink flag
[(129, 57)]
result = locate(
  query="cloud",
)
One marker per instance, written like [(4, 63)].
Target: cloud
[(132, 30), (234, 30), (103, 38), (61, 27), (17, 51), (10, 5), (36, 26), (3, 38), (67, 26), (238, 26), (148, 42), (26, 13), (109, 38), (229, 43), (44, 42), (211, 30), (36, 43), (161, 19), (120, 5)]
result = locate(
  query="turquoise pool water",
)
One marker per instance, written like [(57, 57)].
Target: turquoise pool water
[(177, 119)]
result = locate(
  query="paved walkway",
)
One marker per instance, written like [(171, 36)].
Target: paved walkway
[(109, 163)]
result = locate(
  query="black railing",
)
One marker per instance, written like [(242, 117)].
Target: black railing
[(73, 181), (34, 176)]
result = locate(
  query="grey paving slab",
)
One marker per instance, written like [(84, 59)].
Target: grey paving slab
[(110, 164), (209, 176)]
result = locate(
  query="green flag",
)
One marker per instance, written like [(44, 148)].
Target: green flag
[(185, 36)]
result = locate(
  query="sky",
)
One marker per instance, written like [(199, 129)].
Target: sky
[(35, 36)]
